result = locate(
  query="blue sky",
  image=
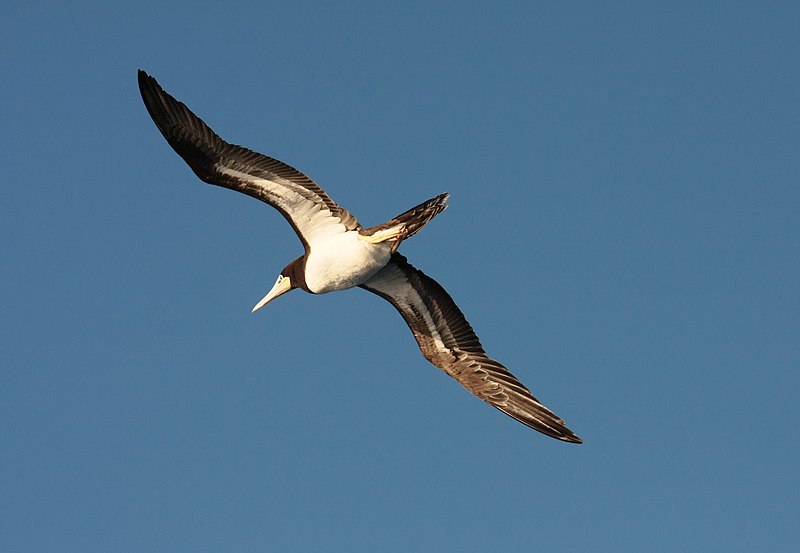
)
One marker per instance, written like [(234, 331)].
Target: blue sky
[(622, 234)]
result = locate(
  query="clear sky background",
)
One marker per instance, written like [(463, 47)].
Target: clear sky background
[(623, 234)]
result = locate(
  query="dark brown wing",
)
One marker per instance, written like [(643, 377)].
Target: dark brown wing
[(306, 206), (447, 340)]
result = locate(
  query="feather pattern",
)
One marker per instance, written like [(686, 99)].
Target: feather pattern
[(447, 340), (412, 221), (310, 211)]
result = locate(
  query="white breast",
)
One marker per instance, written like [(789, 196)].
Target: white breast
[(343, 261)]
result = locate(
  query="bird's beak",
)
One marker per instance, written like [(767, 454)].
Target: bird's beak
[(282, 285)]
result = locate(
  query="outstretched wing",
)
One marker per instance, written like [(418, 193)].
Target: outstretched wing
[(305, 205), (447, 340)]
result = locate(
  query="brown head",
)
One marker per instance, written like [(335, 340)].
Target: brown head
[(292, 276)]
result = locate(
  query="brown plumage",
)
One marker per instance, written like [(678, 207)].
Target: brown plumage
[(340, 254), (447, 340)]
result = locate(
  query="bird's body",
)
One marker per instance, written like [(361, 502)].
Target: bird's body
[(341, 254), (343, 261)]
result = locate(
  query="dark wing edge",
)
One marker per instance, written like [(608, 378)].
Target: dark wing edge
[(447, 340), (204, 151)]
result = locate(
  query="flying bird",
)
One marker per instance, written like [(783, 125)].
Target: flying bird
[(341, 254)]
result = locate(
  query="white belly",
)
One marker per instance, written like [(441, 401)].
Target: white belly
[(343, 261)]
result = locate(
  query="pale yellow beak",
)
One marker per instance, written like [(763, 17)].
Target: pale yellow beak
[(282, 285)]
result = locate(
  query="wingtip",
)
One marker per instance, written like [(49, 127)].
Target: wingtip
[(147, 84), (561, 432)]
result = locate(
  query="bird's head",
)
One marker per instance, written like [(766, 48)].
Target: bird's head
[(290, 278)]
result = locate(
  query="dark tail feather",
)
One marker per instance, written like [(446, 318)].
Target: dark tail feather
[(417, 217)]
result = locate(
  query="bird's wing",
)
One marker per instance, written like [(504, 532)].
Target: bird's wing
[(447, 340), (306, 206)]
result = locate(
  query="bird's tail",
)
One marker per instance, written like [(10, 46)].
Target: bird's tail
[(407, 224), (417, 217)]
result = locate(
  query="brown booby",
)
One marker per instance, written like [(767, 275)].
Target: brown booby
[(341, 254)]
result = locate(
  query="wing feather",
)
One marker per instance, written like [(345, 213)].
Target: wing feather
[(310, 211), (447, 340)]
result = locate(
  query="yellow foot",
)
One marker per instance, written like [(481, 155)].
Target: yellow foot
[(396, 234)]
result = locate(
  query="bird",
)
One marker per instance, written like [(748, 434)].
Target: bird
[(341, 254)]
